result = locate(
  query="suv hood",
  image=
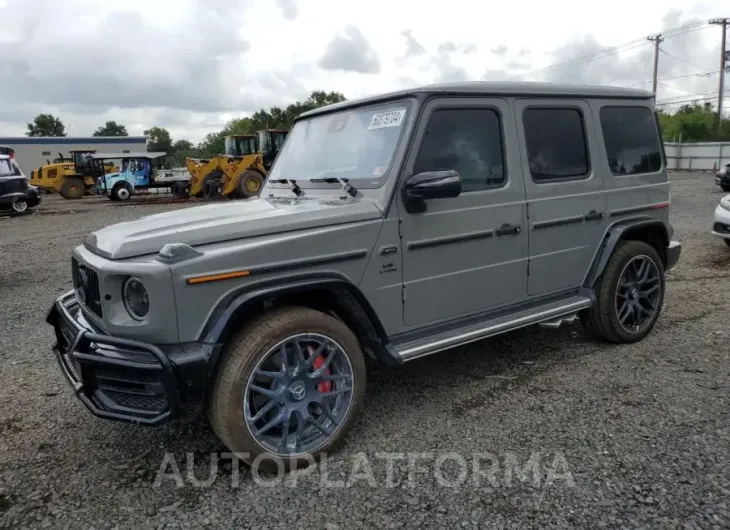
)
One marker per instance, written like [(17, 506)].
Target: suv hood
[(214, 223)]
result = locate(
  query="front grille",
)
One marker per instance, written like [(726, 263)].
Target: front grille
[(86, 282), (135, 401), (132, 389), (721, 228)]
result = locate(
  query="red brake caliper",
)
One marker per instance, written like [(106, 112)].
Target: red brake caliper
[(325, 386)]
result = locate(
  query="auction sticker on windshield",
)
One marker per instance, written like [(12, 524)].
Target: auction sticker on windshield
[(392, 118)]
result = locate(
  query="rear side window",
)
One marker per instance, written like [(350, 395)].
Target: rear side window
[(468, 141), (7, 168), (556, 143), (632, 141)]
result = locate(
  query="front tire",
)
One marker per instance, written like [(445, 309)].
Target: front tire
[(250, 184), (289, 388), (19, 206), (629, 294), (121, 192), (725, 187)]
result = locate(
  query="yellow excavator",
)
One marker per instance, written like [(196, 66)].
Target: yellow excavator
[(71, 177), (239, 172)]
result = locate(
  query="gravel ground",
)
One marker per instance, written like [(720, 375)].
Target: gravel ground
[(564, 432)]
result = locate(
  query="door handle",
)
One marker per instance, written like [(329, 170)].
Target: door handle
[(508, 230), (593, 216)]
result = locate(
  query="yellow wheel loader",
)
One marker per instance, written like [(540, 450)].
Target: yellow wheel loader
[(71, 177), (239, 172)]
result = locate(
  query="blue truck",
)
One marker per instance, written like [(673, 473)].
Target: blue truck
[(137, 174)]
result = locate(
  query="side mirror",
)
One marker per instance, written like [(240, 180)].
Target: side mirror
[(430, 185)]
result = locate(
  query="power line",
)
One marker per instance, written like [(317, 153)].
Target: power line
[(683, 61), (627, 46), (708, 74), (692, 100)]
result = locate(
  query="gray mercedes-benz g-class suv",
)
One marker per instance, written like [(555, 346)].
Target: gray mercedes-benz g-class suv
[(394, 226)]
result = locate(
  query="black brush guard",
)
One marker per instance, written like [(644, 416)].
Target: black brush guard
[(117, 379)]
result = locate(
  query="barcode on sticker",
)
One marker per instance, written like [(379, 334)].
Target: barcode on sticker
[(392, 118)]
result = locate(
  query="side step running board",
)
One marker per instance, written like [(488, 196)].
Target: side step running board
[(552, 315), (557, 322)]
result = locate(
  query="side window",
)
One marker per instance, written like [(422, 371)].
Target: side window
[(632, 140), (468, 141), (556, 143)]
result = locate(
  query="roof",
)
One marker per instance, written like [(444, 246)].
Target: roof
[(133, 154), (65, 140), (495, 88)]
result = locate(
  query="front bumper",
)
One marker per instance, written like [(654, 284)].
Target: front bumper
[(721, 223), (125, 380)]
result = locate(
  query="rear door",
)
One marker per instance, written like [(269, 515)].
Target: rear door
[(565, 191)]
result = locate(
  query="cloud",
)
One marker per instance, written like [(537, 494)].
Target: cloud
[(452, 47), (288, 8), (413, 47), (350, 52), (188, 73), (683, 64), (194, 67)]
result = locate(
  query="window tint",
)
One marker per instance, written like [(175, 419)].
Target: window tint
[(468, 141), (556, 143), (632, 141)]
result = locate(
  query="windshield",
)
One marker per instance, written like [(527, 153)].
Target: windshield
[(356, 144)]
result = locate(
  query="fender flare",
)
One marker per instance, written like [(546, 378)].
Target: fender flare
[(358, 313), (616, 233)]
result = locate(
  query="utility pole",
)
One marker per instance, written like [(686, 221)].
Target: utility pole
[(723, 59), (657, 40)]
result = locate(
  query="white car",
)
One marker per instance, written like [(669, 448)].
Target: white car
[(721, 224), (722, 177)]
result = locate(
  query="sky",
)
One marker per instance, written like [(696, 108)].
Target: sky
[(192, 65)]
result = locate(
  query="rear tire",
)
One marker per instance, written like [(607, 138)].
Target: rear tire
[(250, 184), (611, 319), (72, 188), (725, 188), (727, 242), (247, 353)]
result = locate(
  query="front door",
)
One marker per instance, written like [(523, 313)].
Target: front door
[(466, 254), (565, 191)]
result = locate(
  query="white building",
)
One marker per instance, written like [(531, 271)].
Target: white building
[(31, 153)]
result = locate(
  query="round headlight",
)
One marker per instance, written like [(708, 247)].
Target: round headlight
[(135, 298), (725, 202)]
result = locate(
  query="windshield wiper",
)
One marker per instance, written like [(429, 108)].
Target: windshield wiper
[(349, 188), (292, 184)]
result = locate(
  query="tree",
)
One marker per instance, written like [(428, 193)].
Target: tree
[(46, 125), (111, 128), (693, 123), (158, 139), (182, 145)]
